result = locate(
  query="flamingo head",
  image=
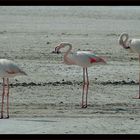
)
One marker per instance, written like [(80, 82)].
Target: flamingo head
[(56, 50), (58, 47), (123, 41)]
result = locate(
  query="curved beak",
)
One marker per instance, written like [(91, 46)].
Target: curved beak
[(56, 50)]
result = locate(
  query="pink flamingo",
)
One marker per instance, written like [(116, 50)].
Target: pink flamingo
[(81, 58), (8, 69), (133, 45)]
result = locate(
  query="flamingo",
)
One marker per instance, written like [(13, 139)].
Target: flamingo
[(83, 59), (8, 69), (134, 46)]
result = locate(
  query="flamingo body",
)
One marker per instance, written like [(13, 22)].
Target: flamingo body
[(130, 44), (133, 45), (83, 59), (8, 69)]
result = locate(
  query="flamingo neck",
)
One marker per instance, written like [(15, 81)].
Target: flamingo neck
[(67, 60), (69, 49), (123, 39)]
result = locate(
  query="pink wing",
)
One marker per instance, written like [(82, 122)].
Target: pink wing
[(85, 58)]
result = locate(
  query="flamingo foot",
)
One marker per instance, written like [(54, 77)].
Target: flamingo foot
[(84, 106), (1, 117), (7, 117), (136, 97)]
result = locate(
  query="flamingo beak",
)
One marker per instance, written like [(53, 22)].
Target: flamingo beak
[(56, 50)]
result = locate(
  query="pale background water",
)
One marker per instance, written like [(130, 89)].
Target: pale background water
[(99, 23), (96, 19)]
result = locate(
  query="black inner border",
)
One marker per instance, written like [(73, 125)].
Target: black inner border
[(70, 2)]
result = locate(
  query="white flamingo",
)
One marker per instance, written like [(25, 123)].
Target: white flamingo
[(133, 45), (8, 69), (83, 59)]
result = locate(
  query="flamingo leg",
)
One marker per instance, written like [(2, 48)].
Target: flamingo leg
[(139, 82), (2, 103), (7, 98), (85, 88), (139, 78)]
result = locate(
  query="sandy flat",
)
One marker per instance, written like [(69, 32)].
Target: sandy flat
[(71, 125)]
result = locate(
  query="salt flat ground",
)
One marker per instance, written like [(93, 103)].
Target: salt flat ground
[(71, 125), (48, 99)]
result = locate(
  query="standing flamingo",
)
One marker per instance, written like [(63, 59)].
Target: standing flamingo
[(8, 69), (133, 45), (81, 58)]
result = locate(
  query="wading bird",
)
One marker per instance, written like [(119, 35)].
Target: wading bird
[(84, 59), (133, 45), (8, 69)]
